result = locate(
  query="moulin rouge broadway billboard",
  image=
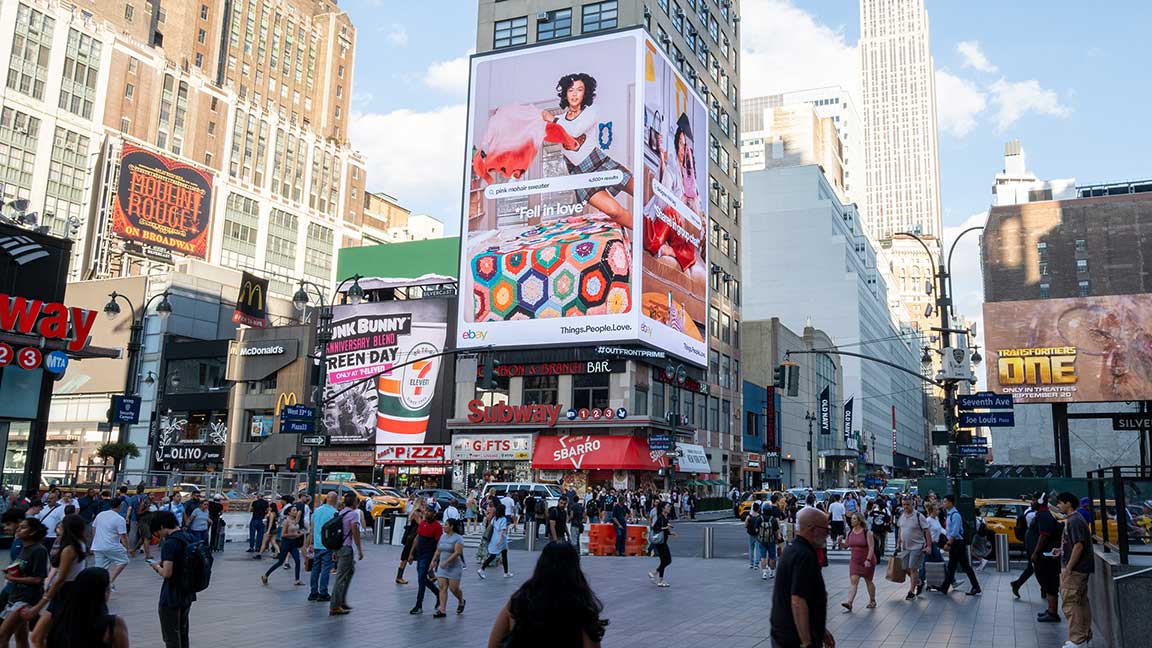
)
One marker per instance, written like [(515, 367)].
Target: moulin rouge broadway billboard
[(585, 199), (162, 202)]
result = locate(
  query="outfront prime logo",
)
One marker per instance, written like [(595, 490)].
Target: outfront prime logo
[(473, 335)]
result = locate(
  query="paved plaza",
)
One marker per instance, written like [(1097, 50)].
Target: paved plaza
[(716, 602)]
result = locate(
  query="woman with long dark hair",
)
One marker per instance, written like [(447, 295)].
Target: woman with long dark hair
[(26, 582), (579, 125), (661, 529), (67, 560), (83, 621), (291, 536), (555, 607), (498, 544)]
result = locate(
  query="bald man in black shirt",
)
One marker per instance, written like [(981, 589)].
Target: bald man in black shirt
[(799, 600)]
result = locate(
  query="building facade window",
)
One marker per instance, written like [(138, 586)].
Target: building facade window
[(241, 223), (590, 390), (66, 176), (1045, 290), (726, 417), (318, 253), (1081, 246), (714, 414), (599, 16), (510, 32), (283, 233), (558, 25), (81, 67), (31, 45), (541, 390), (659, 407), (1083, 288), (1081, 265), (19, 133)]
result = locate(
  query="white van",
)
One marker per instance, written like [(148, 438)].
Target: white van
[(549, 492)]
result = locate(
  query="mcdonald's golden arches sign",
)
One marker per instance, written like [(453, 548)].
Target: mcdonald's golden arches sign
[(285, 398), (251, 304)]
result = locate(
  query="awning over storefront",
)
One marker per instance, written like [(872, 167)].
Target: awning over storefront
[(587, 452)]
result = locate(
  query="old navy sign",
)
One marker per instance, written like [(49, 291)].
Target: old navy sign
[(502, 414), (50, 320)]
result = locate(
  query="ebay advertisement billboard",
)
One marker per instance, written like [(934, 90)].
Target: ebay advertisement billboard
[(584, 210)]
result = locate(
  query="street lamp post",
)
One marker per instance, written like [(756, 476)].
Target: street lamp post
[(943, 279), (677, 374), (810, 417), (323, 337), (135, 339)]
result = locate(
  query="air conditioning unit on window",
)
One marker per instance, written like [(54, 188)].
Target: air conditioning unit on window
[(544, 16)]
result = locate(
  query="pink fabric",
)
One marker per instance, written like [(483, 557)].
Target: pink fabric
[(510, 143), (858, 543)]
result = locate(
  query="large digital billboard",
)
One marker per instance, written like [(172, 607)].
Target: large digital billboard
[(162, 202), (1082, 349), (585, 201), (395, 407)]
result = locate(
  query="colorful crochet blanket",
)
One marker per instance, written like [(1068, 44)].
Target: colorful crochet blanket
[(564, 268)]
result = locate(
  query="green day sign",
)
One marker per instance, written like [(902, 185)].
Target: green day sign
[(366, 401)]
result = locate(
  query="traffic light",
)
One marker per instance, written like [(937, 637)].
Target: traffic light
[(792, 370), (779, 379), (488, 373), (297, 463)]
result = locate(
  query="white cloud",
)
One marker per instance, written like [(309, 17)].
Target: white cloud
[(974, 56), (397, 36), (967, 276), (416, 156), (1014, 99), (958, 103), (785, 48), (449, 76)]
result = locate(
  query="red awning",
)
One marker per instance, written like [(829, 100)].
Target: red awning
[(586, 452)]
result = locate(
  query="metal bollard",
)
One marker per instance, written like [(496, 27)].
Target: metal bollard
[(381, 524), (709, 541), (1001, 552), (530, 535)]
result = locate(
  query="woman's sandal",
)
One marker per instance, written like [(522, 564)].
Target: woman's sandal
[(460, 608), (439, 615), (847, 607), (871, 605)]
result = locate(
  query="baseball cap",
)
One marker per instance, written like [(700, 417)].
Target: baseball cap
[(217, 497)]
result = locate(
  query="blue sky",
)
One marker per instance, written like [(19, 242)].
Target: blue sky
[(1070, 83)]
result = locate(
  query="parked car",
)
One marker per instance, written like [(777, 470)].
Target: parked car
[(743, 507), (443, 497), (376, 501), (550, 493)]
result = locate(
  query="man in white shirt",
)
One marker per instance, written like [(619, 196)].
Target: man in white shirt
[(177, 508), (51, 515), (110, 542), (836, 511), (451, 512), (509, 507)]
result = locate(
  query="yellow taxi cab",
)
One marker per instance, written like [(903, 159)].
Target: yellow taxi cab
[(378, 502), (1000, 516), (744, 507)]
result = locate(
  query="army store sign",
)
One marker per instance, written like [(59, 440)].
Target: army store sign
[(180, 454)]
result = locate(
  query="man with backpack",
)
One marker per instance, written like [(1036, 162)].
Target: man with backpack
[(340, 534), (186, 567), (752, 525), (770, 538)]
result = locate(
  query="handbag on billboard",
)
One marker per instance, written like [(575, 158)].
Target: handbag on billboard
[(895, 570)]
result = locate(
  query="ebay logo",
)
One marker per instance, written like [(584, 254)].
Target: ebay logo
[(473, 335)]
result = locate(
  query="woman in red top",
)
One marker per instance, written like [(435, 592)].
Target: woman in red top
[(427, 536)]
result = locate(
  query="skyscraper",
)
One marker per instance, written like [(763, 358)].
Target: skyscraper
[(901, 162)]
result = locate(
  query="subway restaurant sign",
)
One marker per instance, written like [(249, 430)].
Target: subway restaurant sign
[(49, 320)]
